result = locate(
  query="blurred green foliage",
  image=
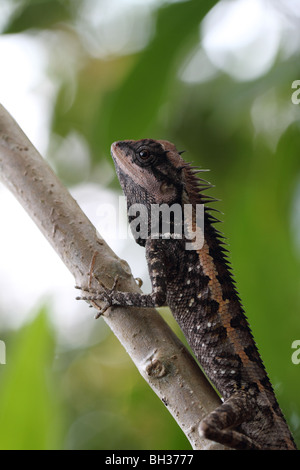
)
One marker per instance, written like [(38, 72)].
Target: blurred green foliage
[(93, 398), (29, 410)]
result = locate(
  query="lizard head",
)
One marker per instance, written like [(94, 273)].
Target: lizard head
[(150, 169), (152, 172)]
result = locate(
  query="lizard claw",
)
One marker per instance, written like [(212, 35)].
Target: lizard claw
[(93, 295)]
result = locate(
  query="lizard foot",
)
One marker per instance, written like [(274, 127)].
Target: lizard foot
[(93, 295)]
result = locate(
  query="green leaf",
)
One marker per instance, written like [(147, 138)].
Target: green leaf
[(28, 412)]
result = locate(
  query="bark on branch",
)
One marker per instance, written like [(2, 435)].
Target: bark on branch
[(156, 351)]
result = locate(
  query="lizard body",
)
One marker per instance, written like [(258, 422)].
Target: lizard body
[(199, 288)]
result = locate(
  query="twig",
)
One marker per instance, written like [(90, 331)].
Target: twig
[(156, 351)]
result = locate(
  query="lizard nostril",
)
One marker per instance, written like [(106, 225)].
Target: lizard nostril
[(115, 145)]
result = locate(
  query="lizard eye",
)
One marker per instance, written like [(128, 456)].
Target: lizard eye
[(144, 154)]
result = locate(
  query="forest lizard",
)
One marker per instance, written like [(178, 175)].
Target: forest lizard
[(199, 288)]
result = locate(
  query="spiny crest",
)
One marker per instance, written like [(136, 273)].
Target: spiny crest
[(194, 187)]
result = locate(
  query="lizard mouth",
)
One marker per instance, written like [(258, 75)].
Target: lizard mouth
[(120, 151), (115, 150)]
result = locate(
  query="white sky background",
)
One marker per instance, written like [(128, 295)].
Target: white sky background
[(239, 37)]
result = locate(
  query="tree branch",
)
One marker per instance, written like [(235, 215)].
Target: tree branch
[(156, 351)]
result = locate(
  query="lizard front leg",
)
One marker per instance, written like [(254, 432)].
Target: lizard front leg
[(113, 297)]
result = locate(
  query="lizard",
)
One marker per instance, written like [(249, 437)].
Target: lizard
[(199, 288)]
